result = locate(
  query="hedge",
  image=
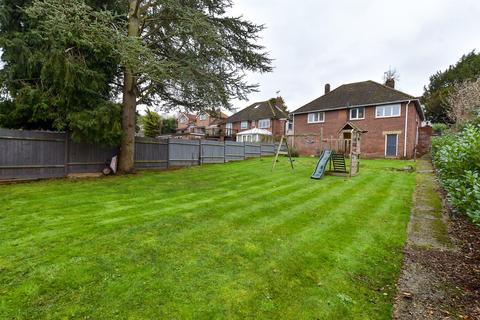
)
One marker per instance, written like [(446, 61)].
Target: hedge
[(457, 159)]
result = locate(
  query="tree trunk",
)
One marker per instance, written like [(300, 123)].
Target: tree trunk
[(127, 147)]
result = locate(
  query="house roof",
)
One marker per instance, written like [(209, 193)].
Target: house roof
[(356, 94), (351, 126), (257, 111), (191, 117)]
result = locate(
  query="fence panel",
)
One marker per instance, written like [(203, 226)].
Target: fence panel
[(267, 149), (88, 158), (283, 148), (31, 154), (37, 154), (212, 151), (234, 151), (151, 153), (182, 153), (252, 150)]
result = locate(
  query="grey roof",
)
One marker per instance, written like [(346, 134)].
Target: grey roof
[(257, 111), (358, 94)]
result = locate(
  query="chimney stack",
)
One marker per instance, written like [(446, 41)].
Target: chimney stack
[(327, 88), (390, 83)]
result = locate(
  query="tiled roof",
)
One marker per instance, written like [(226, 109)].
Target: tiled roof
[(257, 111), (357, 94)]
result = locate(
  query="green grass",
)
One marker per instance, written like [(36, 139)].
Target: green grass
[(220, 241)]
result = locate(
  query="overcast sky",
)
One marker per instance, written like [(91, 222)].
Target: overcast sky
[(315, 42)]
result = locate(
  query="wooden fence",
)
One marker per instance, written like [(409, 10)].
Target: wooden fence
[(26, 155)]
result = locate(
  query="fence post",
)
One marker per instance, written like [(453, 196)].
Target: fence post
[(200, 162), (168, 153), (67, 151)]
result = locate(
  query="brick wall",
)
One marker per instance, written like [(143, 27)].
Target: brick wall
[(372, 142), (424, 140)]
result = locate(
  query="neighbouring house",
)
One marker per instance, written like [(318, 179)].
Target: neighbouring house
[(261, 121), (200, 126), (390, 119)]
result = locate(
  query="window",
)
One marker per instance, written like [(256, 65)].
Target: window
[(316, 117), (289, 126), (357, 113), (183, 119), (203, 117), (244, 125), (264, 123), (228, 129), (391, 110)]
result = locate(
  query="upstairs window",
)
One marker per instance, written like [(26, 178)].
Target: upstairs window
[(264, 123), (357, 113), (316, 117), (203, 117), (387, 111), (183, 119), (244, 125)]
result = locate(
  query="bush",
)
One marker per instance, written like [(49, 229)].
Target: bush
[(457, 159), (439, 128), (152, 124)]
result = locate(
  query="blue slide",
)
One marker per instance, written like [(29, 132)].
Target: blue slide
[(321, 164)]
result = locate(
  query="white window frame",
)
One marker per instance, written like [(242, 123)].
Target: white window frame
[(288, 126), (357, 109), (244, 125), (388, 106), (183, 119), (396, 144), (203, 117), (228, 128), (264, 123), (316, 113)]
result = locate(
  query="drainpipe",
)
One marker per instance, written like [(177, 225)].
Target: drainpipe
[(406, 125), (293, 130)]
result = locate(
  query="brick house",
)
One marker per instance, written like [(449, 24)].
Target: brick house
[(260, 121), (201, 126), (390, 118)]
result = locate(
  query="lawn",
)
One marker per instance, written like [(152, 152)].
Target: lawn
[(219, 241)]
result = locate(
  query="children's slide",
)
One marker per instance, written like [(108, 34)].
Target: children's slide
[(321, 164)]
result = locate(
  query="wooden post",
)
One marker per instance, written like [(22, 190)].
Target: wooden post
[(67, 145), (200, 162), (168, 153)]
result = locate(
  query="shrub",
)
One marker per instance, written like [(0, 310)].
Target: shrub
[(439, 128), (152, 124), (457, 159)]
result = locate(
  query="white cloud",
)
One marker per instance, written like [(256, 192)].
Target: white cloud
[(342, 41)]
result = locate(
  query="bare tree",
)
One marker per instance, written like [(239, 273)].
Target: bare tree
[(390, 75), (464, 101)]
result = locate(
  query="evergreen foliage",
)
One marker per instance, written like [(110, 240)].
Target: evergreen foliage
[(152, 124), (435, 97), (171, 53), (56, 82), (457, 159)]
